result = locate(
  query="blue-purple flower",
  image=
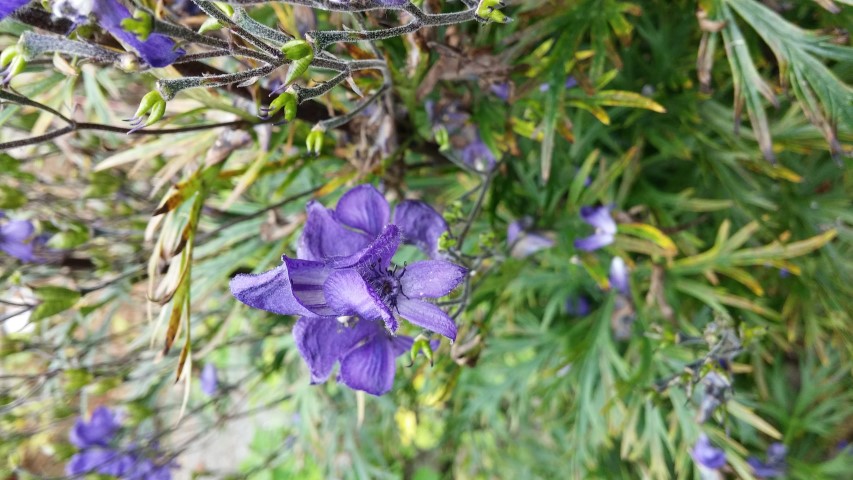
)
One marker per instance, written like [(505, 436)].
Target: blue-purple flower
[(209, 380), (361, 214), (363, 284), (14, 239), (619, 277), (774, 466), (707, 455), (501, 90), (364, 349), (605, 228)]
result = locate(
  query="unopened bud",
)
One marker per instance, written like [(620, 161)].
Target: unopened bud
[(314, 142), (296, 49), (286, 101), (153, 105)]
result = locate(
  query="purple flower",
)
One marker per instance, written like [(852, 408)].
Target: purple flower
[(707, 455), (605, 228), (619, 277), (578, 306), (362, 284), (13, 236), (774, 466), (448, 115), (100, 460), (99, 431), (7, 7), (365, 350), (571, 82), (479, 156), (523, 243), (360, 216), (501, 90), (209, 380)]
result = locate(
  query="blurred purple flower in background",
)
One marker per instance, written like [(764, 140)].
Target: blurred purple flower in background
[(570, 83), (707, 455), (209, 380), (501, 90), (524, 243), (605, 228), (479, 156), (774, 466), (578, 306), (98, 454), (13, 239), (619, 276)]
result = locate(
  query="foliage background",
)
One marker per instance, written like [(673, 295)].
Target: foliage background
[(722, 139)]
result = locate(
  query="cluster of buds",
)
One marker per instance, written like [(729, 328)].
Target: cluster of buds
[(153, 105), (488, 11), (314, 142), (12, 62)]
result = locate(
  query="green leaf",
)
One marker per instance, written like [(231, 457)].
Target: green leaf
[(53, 300)]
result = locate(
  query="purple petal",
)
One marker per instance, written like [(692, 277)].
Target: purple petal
[(323, 341), (764, 470), (578, 306), (421, 225), (705, 454), (16, 230), (348, 294), (370, 367), (427, 315), (479, 156), (99, 431), (599, 217), (401, 344), (324, 237), (375, 256), (90, 460), (209, 380), (530, 243), (363, 207), (501, 90), (431, 278), (295, 288), (157, 51), (619, 278), (21, 251), (9, 6), (594, 242)]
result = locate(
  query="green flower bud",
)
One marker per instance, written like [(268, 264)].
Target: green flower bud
[(442, 138), (498, 17), (487, 6), (152, 104), (141, 24), (13, 60), (298, 67), (286, 101), (421, 344), (296, 49), (314, 142)]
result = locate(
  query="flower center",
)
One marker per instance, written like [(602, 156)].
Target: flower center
[(386, 283)]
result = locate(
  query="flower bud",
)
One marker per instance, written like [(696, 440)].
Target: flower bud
[(286, 101), (296, 49), (209, 25), (487, 6), (298, 67), (314, 142), (12, 63), (442, 138), (421, 344), (498, 17), (152, 104), (141, 24)]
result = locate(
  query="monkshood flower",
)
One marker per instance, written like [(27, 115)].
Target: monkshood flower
[(619, 277), (578, 306), (13, 239), (479, 156), (605, 228), (209, 380), (156, 51), (363, 284), (775, 465), (707, 455), (523, 242), (365, 350), (359, 218)]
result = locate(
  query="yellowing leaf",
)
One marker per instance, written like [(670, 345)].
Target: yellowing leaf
[(650, 233), (621, 98)]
